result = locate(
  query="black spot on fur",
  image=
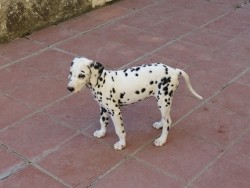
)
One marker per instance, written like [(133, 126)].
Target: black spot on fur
[(166, 71), (72, 63), (165, 80), (126, 74), (113, 90), (168, 128), (103, 118), (137, 92), (150, 92), (171, 93), (159, 85), (112, 78), (103, 110), (150, 71), (137, 69), (136, 74), (152, 82), (122, 95), (143, 89)]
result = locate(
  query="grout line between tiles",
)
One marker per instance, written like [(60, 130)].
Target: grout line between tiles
[(174, 40), (158, 169), (216, 159), (35, 112), (51, 175)]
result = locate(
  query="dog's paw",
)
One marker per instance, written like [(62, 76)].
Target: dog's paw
[(99, 133), (119, 145), (159, 142), (157, 125)]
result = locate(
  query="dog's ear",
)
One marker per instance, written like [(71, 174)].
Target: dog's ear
[(97, 66)]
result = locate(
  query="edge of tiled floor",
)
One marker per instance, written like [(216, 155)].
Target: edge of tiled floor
[(67, 156)]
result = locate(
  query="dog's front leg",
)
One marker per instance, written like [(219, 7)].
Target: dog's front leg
[(104, 121), (119, 129)]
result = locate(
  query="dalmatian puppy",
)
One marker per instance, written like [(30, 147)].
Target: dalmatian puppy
[(113, 89)]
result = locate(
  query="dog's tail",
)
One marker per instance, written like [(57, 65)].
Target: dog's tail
[(187, 80)]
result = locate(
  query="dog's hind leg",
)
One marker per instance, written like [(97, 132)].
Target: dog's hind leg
[(165, 121), (104, 121)]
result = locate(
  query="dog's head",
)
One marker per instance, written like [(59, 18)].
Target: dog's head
[(83, 72)]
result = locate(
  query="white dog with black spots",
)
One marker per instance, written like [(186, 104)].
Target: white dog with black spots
[(113, 89)]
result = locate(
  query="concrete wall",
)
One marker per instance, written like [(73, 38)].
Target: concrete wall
[(21, 17)]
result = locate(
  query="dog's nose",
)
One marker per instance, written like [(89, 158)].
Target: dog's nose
[(71, 89)]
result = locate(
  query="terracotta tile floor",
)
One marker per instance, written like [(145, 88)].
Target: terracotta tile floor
[(46, 133)]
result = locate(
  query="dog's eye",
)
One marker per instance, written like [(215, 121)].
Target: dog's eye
[(81, 76)]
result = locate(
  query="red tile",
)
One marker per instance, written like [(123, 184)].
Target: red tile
[(11, 111), (221, 65), (163, 10), (78, 111), (229, 2), (41, 91), (145, 41), (115, 31), (51, 62), (201, 14), (30, 177), (83, 46), (9, 162), (122, 56), (235, 98), (237, 48), (81, 160), (19, 48), (181, 3), (204, 82), (3, 61), (183, 52), (136, 174), (139, 4), (108, 13), (215, 125), (208, 38), (170, 157), (228, 25), (242, 146), (182, 103), (80, 24), (245, 34), (104, 50), (245, 78), (229, 171), (170, 29), (35, 136), (15, 76), (240, 15), (51, 35), (140, 20)]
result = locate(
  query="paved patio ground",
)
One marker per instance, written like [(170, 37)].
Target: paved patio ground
[(46, 132)]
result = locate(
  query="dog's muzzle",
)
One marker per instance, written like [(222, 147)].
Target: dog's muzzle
[(71, 89)]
